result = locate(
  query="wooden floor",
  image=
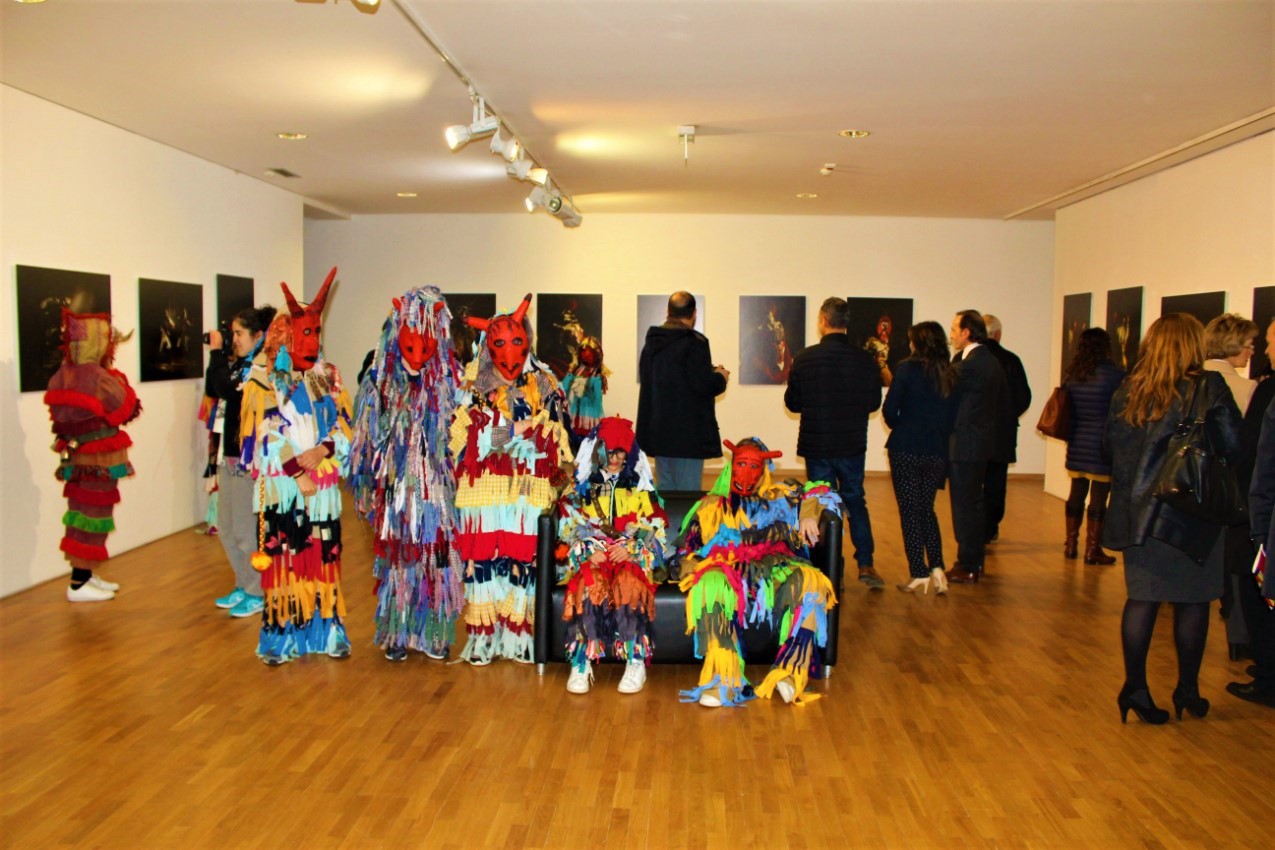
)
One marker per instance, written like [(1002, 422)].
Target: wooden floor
[(983, 719)]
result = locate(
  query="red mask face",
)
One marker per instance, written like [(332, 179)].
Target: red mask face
[(507, 340), (589, 356), (748, 464), (415, 348), (307, 322)]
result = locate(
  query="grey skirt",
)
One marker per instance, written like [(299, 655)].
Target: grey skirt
[(1157, 572)]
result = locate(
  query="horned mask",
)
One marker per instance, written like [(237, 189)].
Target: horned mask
[(749, 461), (307, 322), (507, 340)]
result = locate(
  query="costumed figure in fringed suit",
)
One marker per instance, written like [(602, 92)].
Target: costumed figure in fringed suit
[(509, 440), (584, 385), (402, 477), (88, 402), (745, 561), (613, 528), (294, 433)]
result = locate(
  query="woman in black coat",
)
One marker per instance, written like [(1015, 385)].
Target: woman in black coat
[(1091, 380), (1169, 556)]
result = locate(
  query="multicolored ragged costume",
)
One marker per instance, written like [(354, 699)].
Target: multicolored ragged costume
[(584, 385), (744, 563), (510, 445), (613, 527), (89, 401), (402, 478), (294, 432)]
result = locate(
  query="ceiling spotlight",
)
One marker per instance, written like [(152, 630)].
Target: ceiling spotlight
[(507, 148), (520, 168), (459, 135), (541, 197), (855, 134), (538, 176), (828, 168)]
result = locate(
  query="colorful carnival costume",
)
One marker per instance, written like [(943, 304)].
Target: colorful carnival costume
[(584, 385), (294, 434), (745, 563), (614, 529), (89, 401), (510, 445), (401, 474)]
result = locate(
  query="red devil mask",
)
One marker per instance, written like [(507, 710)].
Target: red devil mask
[(748, 464), (507, 340), (307, 321), (413, 346)]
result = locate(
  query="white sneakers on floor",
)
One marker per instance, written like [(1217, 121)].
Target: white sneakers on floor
[(103, 583), (88, 592), (579, 681), (634, 676), (787, 690)]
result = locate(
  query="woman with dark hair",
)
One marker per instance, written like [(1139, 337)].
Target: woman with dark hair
[(1091, 380), (918, 410), (1169, 556)]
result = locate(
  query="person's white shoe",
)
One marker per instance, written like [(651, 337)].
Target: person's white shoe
[(88, 592), (98, 581), (787, 691), (634, 677), (579, 681), (708, 699)]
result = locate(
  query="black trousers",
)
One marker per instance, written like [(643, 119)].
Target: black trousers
[(994, 494), (966, 482)]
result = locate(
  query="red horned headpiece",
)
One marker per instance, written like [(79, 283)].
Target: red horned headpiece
[(307, 322), (416, 345), (506, 339), (749, 462)]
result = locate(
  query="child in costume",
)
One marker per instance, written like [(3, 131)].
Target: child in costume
[(510, 445), (402, 476), (745, 561), (584, 385), (89, 401), (294, 434), (614, 527)]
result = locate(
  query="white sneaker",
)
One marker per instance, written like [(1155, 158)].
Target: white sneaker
[(98, 581), (709, 699), (88, 592), (579, 681), (634, 677), (787, 690)]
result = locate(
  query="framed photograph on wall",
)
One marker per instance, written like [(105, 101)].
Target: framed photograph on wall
[(42, 294), (652, 310), (170, 321), (562, 322), (1263, 315), (1205, 306), (480, 305), (234, 294), (772, 329), (1075, 321), (880, 326), (1124, 325)]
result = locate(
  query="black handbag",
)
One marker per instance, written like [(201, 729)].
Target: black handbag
[(1055, 419), (1193, 478)]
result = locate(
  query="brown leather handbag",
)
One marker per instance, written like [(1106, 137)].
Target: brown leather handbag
[(1055, 419)]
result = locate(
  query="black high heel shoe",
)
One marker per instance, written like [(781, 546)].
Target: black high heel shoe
[(1142, 705), (1189, 700)]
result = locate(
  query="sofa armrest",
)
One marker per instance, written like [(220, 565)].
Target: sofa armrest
[(546, 578), (827, 556)]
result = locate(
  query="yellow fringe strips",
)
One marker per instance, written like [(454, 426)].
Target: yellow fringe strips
[(722, 661)]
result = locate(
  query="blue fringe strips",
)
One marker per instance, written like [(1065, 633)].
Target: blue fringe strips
[(417, 606), (499, 612), (723, 671), (319, 634)]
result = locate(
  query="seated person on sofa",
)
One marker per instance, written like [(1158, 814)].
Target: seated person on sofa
[(613, 527), (744, 562)]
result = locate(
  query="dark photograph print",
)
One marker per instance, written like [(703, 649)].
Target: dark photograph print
[(772, 329), (880, 326), (562, 323), (170, 324), (234, 295), (1205, 306), (42, 294), (652, 310), (1263, 315), (1124, 325), (1075, 321), (480, 305)]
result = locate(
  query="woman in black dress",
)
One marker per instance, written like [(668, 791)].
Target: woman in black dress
[(1091, 380)]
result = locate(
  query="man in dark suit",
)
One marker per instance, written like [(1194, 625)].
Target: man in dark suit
[(1020, 398), (981, 395)]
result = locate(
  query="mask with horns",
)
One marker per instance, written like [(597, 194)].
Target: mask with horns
[(307, 322), (749, 461), (507, 340)]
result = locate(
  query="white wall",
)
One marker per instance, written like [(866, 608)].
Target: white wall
[(1203, 226), (945, 265), (82, 195)]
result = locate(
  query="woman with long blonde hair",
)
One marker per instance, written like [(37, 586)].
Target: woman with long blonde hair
[(1169, 556)]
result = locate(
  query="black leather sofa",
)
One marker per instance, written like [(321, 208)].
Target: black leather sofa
[(672, 644)]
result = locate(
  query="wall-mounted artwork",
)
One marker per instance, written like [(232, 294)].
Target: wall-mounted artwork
[(653, 310), (772, 329), (1263, 315), (480, 305), (170, 320), (1124, 325), (562, 323), (1205, 306), (234, 294), (42, 293), (1075, 321), (880, 325)]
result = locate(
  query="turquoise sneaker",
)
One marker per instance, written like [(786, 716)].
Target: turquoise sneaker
[(231, 599), (248, 606)]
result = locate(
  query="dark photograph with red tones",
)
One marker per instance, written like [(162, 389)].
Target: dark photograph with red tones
[(772, 329), (563, 322)]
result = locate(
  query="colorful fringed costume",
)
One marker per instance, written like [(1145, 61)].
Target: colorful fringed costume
[(89, 402), (401, 474), (584, 385), (613, 527), (510, 445), (745, 562), (294, 434)]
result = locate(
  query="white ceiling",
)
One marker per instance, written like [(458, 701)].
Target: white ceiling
[(977, 109)]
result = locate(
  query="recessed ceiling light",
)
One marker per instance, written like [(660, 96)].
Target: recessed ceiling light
[(291, 137), (855, 134), (30, 1), (406, 194), (806, 196)]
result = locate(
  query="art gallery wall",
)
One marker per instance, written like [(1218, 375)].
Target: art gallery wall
[(1205, 225), (82, 195), (945, 265)]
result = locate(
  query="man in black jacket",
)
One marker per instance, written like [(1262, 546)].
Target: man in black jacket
[(676, 421), (1020, 398), (834, 386), (981, 395)]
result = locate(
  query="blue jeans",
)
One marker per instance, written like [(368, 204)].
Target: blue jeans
[(680, 473), (845, 475)]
